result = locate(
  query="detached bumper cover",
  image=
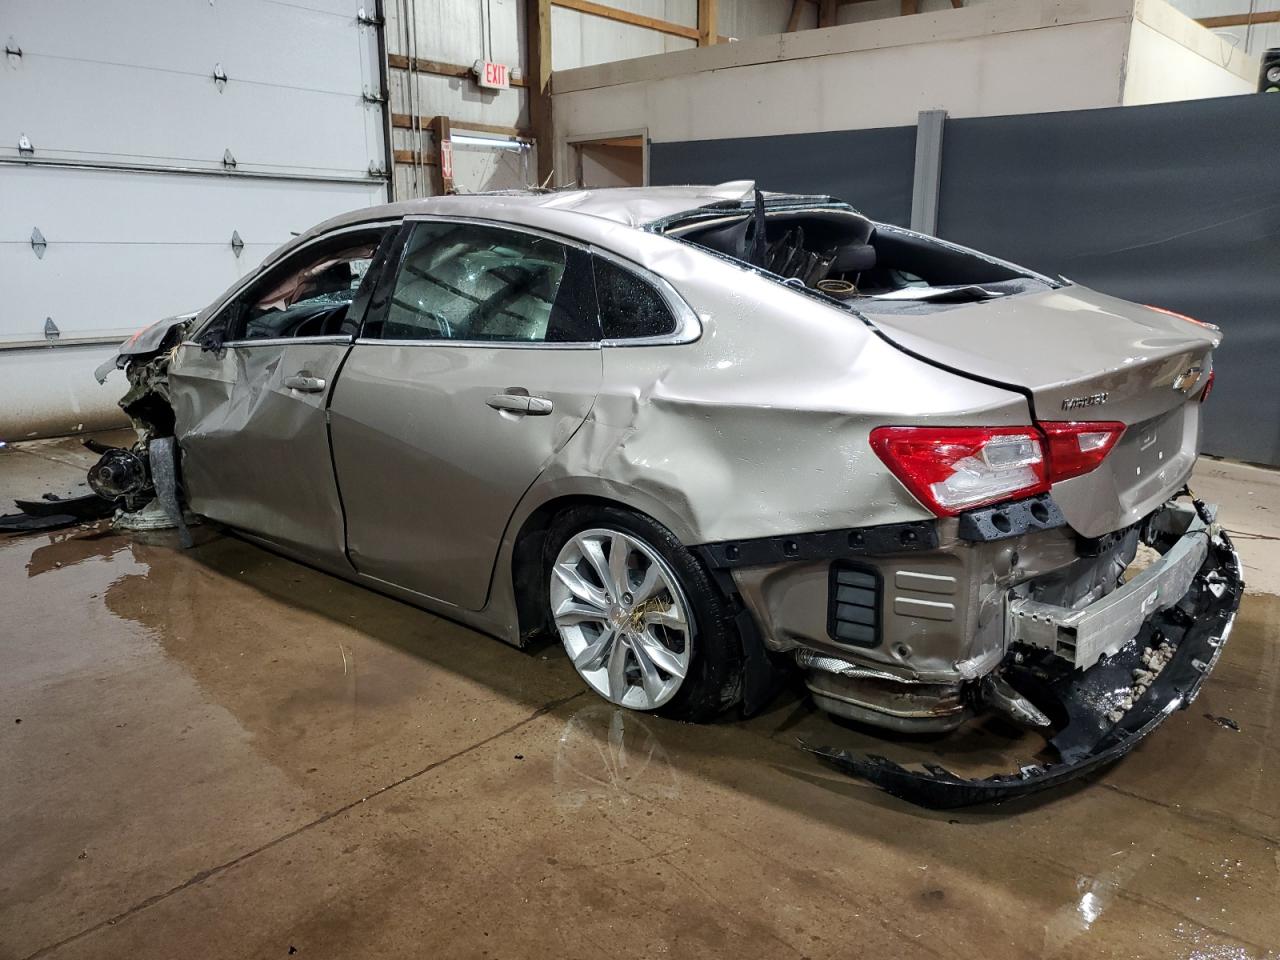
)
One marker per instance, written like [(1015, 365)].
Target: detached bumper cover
[(1083, 704)]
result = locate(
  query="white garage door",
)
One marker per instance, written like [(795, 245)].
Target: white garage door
[(150, 183)]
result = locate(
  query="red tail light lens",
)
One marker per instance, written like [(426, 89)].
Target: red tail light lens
[(1076, 448), (1208, 385), (951, 469)]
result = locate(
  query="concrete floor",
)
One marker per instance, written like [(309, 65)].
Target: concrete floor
[(220, 753)]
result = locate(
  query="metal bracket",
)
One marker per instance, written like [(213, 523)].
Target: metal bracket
[(372, 97), (228, 160), (928, 171), (219, 77), (24, 145), (365, 20), (51, 331), (237, 245), (376, 169), (38, 243)]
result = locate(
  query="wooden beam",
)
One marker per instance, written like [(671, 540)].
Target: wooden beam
[(538, 56), (439, 68), (957, 4), (910, 7), (626, 16), (797, 11), (827, 12), (412, 158), (404, 121), (708, 13), (1241, 19)]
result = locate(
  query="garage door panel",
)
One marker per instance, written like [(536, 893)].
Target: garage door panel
[(258, 42), (73, 112), (111, 206), (125, 249)]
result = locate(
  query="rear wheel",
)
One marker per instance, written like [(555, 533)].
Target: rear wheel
[(638, 616)]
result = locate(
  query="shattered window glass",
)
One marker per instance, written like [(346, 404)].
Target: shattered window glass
[(629, 306), (462, 281), (308, 294)]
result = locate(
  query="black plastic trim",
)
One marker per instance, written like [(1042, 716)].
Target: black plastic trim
[(913, 537), (1005, 520), (833, 603)]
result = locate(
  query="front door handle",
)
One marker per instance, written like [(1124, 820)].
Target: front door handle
[(521, 403), (305, 383)]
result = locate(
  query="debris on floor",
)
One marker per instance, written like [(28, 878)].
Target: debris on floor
[(1223, 722), (53, 512)]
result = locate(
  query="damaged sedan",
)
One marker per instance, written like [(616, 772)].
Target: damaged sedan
[(707, 436)]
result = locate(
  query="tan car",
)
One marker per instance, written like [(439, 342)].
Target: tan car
[(707, 435)]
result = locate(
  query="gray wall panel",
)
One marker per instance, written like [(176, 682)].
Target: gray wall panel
[(872, 169), (1175, 204)]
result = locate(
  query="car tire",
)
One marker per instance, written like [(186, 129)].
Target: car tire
[(711, 652)]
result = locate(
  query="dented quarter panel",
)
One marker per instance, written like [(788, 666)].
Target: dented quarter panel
[(760, 426)]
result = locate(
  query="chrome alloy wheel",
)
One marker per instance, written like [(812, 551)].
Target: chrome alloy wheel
[(622, 618)]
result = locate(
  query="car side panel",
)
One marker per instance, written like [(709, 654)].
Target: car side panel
[(430, 472), (255, 452)]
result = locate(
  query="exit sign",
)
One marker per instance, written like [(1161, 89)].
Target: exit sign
[(497, 76)]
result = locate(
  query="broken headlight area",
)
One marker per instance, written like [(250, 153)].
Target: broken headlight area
[(142, 481), (1100, 692)]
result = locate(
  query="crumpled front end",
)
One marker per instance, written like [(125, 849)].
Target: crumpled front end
[(918, 627)]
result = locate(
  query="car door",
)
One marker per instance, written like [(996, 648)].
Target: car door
[(477, 362), (250, 398)]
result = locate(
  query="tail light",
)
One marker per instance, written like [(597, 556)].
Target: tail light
[(953, 469), (1076, 448), (1208, 385)]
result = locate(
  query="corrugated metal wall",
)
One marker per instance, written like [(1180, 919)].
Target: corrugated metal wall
[(457, 33)]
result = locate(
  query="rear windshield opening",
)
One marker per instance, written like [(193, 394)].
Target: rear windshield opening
[(842, 254)]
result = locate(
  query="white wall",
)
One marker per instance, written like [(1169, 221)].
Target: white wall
[(995, 58), (579, 39), (1252, 39), (989, 58), (1173, 58)]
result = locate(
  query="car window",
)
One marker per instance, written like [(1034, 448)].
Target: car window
[(630, 307), (306, 295), (470, 282)]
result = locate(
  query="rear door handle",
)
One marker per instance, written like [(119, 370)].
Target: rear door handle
[(521, 403), (304, 383)]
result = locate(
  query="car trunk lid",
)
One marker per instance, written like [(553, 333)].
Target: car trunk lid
[(1080, 355)]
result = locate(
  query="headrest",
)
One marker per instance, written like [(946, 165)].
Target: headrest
[(855, 258)]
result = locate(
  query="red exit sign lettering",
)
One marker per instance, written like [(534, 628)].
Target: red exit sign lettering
[(494, 75)]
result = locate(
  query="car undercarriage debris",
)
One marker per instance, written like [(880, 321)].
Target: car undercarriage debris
[(1097, 715), (143, 481), (52, 512)]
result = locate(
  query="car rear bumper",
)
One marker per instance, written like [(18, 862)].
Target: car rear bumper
[(1103, 712)]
